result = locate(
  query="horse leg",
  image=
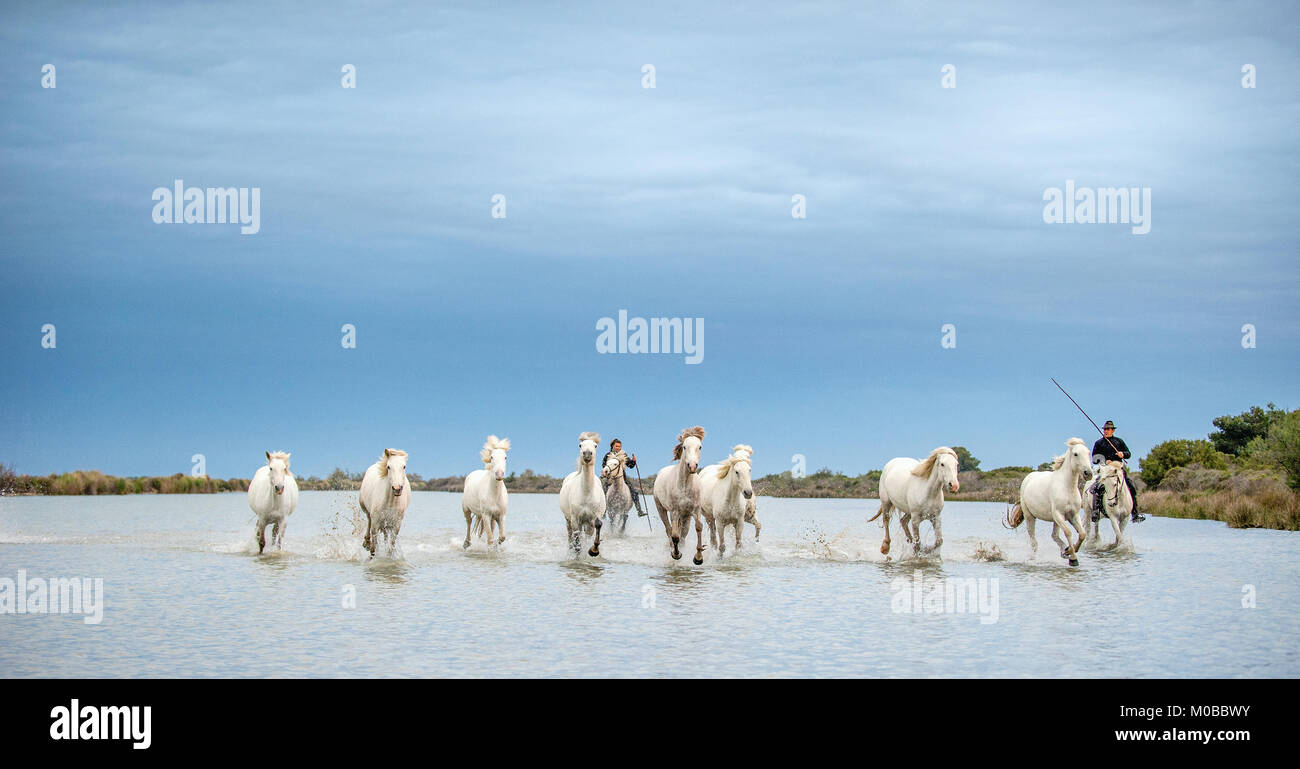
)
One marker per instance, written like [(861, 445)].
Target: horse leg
[(595, 547), (905, 520), (915, 539), (1056, 537), (740, 529), (885, 509), (1068, 550), (758, 527), (1033, 538), (938, 533), (261, 537), (277, 534), (699, 539), (501, 529), (713, 530)]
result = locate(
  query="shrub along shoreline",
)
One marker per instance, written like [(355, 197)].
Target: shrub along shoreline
[(1247, 475)]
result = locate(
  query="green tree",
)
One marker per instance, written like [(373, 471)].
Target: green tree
[(1235, 432), (965, 461), (1280, 448), (1179, 452)]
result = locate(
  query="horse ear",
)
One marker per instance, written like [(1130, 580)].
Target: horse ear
[(268, 456), (286, 459), (388, 453)]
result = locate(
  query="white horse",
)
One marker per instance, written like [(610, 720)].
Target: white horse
[(916, 489), (484, 500), (273, 494), (726, 496), (618, 497), (1053, 495), (384, 497), (677, 492), (1117, 504), (581, 500), (751, 508)]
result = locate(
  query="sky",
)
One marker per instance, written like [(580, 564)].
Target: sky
[(823, 335)]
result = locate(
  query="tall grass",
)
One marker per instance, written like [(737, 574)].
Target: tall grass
[(1272, 507), (93, 482)]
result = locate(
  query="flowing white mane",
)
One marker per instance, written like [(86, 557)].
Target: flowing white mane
[(1060, 460), (382, 464), (492, 444), (924, 469), (690, 432), (270, 455), (741, 453)]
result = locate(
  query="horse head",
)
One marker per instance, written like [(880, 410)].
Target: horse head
[(687, 450), (279, 465), (940, 466), (494, 456), (587, 444), (394, 469), (613, 466)]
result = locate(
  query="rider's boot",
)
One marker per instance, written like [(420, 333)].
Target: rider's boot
[(1135, 517)]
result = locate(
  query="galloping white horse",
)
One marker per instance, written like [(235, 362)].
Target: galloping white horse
[(751, 507), (618, 497), (726, 493), (484, 499), (273, 494), (916, 490), (1053, 495), (384, 497), (677, 492), (1117, 503), (581, 500)]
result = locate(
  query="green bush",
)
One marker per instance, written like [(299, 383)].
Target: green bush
[(1236, 432), (1179, 452), (1280, 449)]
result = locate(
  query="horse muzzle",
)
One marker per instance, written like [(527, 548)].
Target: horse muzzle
[(954, 486), (500, 476), (397, 490), (279, 489), (749, 494)]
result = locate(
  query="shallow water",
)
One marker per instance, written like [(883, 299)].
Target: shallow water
[(186, 595)]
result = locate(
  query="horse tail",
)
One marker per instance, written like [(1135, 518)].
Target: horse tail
[(877, 515), (478, 526), (1015, 516)]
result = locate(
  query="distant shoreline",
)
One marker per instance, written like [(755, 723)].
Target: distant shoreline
[(1258, 504)]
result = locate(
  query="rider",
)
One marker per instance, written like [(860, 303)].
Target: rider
[(1112, 449), (616, 447)]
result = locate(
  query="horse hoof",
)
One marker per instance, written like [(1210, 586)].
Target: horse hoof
[(884, 549), (593, 552), (1074, 561), (698, 560), (677, 556)]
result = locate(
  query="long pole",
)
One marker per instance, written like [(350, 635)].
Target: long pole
[(1081, 411), (641, 493)]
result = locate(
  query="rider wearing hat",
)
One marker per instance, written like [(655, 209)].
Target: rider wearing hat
[(1112, 449), (616, 447)]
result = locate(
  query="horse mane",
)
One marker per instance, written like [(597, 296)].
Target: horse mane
[(924, 469), (493, 443), (739, 447), (1060, 460), (696, 431), (589, 437), (731, 461), (277, 455), (383, 461)]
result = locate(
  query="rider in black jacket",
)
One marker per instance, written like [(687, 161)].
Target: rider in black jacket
[(1113, 449)]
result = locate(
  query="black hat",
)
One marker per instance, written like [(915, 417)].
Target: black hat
[(1109, 425)]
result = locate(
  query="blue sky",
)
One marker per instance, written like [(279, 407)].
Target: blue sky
[(822, 335)]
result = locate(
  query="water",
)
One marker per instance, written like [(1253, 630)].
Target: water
[(186, 595)]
